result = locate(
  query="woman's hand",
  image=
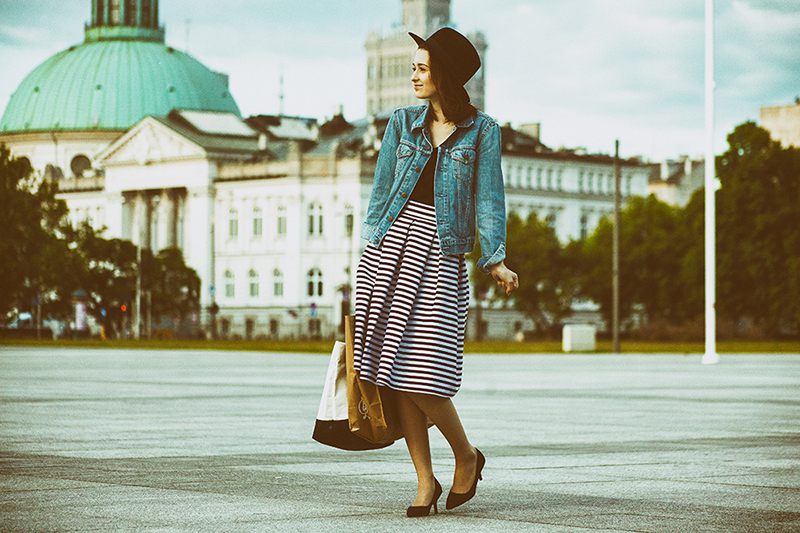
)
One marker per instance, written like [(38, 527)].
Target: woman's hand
[(505, 278)]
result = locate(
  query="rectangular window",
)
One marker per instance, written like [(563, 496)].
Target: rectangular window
[(253, 288), (348, 224), (233, 228), (257, 227)]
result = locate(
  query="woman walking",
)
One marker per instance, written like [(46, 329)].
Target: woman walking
[(438, 179)]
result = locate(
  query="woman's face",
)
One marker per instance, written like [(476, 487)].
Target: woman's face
[(421, 77)]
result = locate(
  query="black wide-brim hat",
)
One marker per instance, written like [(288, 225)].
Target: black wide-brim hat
[(454, 50)]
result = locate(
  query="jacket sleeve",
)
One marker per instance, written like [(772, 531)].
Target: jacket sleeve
[(490, 202), (384, 176)]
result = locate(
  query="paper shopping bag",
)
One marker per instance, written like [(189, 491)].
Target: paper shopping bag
[(332, 427)]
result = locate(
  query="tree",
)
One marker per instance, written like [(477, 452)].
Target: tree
[(107, 274), (33, 250), (549, 274), (175, 288), (109, 277), (758, 231), (656, 277)]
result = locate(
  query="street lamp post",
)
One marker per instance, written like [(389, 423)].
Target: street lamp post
[(710, 356)]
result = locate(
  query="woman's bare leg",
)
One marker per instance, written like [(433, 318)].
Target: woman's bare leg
[(443, 414), (415, 429)]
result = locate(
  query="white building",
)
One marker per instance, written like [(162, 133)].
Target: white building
[(674, 181)]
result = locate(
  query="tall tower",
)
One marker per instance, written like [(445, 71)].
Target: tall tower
[(389, 57), (423, 17)]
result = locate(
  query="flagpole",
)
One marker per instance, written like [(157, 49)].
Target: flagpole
[(710, 356)]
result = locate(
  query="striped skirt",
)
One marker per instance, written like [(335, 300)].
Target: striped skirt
[(411, 308)]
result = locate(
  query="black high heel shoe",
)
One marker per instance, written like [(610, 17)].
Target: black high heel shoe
[(425, 510), (455, 499)]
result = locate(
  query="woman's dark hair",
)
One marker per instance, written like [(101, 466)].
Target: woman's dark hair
[(452, 97)]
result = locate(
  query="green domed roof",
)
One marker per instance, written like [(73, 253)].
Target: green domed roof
[(112, 85)]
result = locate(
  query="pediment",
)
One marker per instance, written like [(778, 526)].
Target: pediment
[(149, 142)]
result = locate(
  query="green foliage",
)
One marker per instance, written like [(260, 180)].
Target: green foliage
[(44, 256), (758, 230), (662, 254), (175, 288), (109, 276), (658, 262), (551, 278), (34, 255)]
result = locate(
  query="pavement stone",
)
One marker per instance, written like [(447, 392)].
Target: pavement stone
[(196, 441)]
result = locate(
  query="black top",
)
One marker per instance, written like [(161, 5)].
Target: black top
[(423, 190)]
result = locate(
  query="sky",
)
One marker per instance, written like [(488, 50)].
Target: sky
[(589, 71)]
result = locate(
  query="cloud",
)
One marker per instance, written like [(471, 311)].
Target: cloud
[(589, 70)]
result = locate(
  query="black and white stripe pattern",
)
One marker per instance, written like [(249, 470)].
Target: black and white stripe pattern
[(411, 308)]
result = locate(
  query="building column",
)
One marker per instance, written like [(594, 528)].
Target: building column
[(169, 200), (115, 215), (199, 245)]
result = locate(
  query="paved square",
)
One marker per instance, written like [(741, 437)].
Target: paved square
[(130, 440)]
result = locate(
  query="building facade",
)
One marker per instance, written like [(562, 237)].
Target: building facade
[(675, 181), (783, 123)]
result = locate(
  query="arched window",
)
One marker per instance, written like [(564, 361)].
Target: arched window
[(315, 219), (229, 284), (348, 220), (80, 164), (281, 220), (233, 223), (258, 222), (253, 283), (277, 282), (314, 282)]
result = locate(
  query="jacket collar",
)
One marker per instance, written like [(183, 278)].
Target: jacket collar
[(423, 117)]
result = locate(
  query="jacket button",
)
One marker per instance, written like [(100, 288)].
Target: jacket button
[(404, 195), (390, 219), (417, 169)]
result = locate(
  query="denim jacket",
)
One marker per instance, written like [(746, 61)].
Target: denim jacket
[(467, 184)]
